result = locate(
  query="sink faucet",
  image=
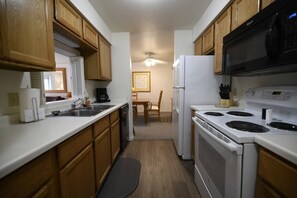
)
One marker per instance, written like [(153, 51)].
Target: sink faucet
[(79, 101)]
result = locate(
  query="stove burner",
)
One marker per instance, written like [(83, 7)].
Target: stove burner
[(213, 113), (283, 125), (247, 126), (240, 113)]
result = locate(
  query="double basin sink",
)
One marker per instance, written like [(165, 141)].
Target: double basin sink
[(83, 112)]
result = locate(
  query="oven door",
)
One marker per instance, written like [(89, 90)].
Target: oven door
[(218, 161)]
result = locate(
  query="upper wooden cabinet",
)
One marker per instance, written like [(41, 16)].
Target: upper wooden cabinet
[(198, 47), (105, 59), (222, 28), (68, 16), (26, 35), (265, 3), (98, 65), (242, 10), (208, 40), (89, 34)]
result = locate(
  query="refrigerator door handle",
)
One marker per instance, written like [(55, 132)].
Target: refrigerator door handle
[(178, 87)]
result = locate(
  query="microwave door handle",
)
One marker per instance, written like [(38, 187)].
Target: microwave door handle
[(272, 38)]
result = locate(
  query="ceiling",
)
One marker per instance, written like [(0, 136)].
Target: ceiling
[(151, 23)]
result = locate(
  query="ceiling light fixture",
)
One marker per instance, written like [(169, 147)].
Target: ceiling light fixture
[(150, 61)]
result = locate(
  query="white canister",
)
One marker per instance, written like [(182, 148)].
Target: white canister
[(29, 99), (268, 118)]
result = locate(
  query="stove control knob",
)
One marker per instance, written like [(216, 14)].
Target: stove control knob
[(249, 93)]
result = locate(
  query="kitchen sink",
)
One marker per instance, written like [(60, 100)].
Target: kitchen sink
[(83, 112)]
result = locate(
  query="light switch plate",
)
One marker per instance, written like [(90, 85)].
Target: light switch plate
[(13, 99)]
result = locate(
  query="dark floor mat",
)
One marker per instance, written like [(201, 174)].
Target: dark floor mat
[(122, 180)]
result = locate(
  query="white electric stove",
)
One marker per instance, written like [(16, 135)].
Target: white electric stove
[(226, 156)]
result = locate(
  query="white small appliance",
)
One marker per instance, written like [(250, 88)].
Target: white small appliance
[(194, 84), (30, 110), (225, 153)]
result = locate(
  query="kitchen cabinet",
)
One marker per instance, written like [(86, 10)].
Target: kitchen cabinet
[(98, 64), (102, 150), (115, 134), (26, 35), (265, 3), (76, 162), (198, 46), (105, 59), (208, 40), (222, 28), (242, 10), (276, 177), (37, 178), (68, 16), (89, 34)]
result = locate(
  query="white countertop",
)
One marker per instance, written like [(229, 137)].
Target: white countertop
[(212, 108), (282, 145), (22, 142)]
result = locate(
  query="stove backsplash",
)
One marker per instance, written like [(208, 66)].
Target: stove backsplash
[(241, 84)]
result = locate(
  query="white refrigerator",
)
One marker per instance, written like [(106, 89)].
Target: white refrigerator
[(194, 83)]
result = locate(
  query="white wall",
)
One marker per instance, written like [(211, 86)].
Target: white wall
[(183, 43), (11, 82), (91, 14), (120, 86), (210, 13), (161, 79)]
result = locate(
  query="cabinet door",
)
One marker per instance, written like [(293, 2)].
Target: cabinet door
[(222, 28), (263, 190), (102, 157), (105, 59), (89, 34), (36, 178), (198, 46), (208, 40), (115, 140), (242, 10), (77, 178), (26, 34), (265, 3), (67, 16)]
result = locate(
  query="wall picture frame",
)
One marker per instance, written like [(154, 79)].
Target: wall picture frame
[(141, 81)]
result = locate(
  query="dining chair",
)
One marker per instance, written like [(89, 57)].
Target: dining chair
[(155, 107), (134, 107)]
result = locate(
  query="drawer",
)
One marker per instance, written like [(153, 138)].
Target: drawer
[(114, 116), (34, 176), (278, 173), (71, 147), (101, 126)]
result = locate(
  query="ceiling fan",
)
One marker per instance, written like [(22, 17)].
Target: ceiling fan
[(151, 61)]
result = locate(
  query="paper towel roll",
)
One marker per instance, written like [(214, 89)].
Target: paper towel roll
[(27, 98)]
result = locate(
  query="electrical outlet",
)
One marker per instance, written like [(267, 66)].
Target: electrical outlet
[(13, 99)]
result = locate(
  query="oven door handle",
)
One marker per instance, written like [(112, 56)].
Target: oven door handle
[(229, 146)]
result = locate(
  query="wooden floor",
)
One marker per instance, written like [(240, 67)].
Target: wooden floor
[(163, 173)]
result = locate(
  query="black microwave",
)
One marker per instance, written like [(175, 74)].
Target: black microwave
[(265, 44)]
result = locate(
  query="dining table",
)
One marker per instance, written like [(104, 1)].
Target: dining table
[(145, 103)]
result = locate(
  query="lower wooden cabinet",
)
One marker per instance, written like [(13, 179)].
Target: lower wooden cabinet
[(276, 177), (76, 167), (77, 178), (115, 140), (38, 178), (102, 157)]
